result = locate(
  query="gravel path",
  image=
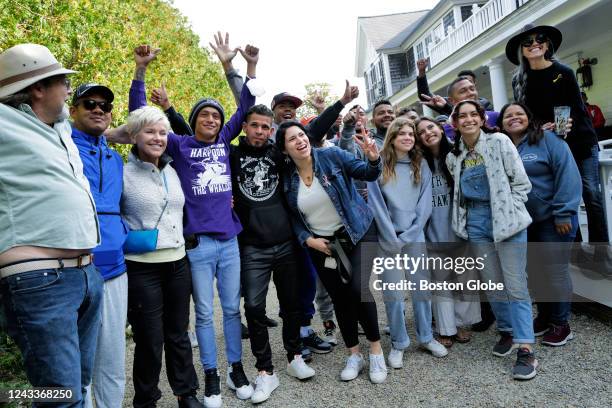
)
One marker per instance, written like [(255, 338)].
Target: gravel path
[(577, 375)]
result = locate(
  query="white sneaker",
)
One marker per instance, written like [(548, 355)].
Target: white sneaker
[(214, 401), (299, 369), (264, 385), (354, 365), (378, 368), (237, 381), (436, 349), (395, 358)]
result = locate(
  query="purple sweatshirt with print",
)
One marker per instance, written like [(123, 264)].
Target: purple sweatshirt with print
[(204, 171)]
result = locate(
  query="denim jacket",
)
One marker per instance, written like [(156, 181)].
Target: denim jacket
[(335, 170)]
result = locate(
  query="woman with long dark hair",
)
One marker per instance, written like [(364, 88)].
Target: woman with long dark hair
[(489, 194), (332, 220), (553, 204), (541, 82), (452, 314)]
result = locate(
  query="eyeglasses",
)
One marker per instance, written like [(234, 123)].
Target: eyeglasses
[(539, 38), (90, 105)]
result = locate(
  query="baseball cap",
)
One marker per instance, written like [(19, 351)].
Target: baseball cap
[(90, 88), (285, 96)]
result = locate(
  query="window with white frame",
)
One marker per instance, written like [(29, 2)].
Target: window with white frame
[(448, 21), (419, 51), (427, 42)]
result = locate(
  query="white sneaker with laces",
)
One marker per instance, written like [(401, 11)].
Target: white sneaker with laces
[(299, 369), (436, 349), (264, 385), (378, 368), (395, 358), (354, 365)]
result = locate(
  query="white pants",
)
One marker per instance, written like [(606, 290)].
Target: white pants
[(109, 367)]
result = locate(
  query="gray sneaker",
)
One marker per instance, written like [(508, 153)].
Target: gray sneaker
[(525, 366)]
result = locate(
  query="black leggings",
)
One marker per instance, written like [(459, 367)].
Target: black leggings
[(353, 302)]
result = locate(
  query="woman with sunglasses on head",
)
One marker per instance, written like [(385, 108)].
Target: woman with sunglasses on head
[(332, 221), (159, 282), (451, 313), (541, 82), (401, 202), (489, 194), (553, 204)]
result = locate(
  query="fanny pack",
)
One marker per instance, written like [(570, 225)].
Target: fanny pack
[(145, 240)]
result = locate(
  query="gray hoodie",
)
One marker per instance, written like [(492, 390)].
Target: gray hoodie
[(401, 208)]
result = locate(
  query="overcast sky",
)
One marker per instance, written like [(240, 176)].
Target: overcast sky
[(300, 42)]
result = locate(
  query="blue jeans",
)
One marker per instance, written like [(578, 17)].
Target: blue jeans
[(211, 259), (505, 264), (395, 306), (54, 315), (592, 196), (548, 270)]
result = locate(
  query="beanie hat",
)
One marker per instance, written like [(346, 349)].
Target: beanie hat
[(201, 104)]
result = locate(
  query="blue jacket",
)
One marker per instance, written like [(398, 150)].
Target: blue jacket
[(103, 168), (556, 184), (335, 170)]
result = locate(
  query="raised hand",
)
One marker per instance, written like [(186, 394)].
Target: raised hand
[(224, 52), (318, 102), (368, 146), (433, 101), (144, 54), (159, 97), (350, 93), (250, 54), (422, 65), (349, 119)]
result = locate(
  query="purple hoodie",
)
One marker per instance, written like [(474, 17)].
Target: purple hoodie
[(204, 171)]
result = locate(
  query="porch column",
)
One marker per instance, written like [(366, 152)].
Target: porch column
[(498, 83)]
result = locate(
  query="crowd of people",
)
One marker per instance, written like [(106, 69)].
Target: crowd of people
[(90, 244)]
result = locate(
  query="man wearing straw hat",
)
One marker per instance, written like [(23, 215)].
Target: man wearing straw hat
[(50, 288)]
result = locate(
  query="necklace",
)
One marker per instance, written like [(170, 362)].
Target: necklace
[(306, 177)]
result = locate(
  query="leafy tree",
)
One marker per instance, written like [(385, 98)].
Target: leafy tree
[(97, 39), (315, 90)]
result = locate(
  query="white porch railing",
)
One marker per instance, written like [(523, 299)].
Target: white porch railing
[(487, 16)]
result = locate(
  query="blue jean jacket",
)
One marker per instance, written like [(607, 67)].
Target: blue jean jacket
[(335, 169)]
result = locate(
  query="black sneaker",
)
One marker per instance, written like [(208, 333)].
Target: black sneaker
[(316, 344), (189, 401), (504, 345), (212, 389), (270, 322), (244, 331), (525, 366), (237, 380)]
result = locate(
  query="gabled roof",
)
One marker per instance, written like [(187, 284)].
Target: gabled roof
[(399, 38), (381, 29)]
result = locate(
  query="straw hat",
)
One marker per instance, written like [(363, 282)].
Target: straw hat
[(25, 64)]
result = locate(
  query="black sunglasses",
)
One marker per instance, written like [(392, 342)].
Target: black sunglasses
[(539, 38), (90, 105)]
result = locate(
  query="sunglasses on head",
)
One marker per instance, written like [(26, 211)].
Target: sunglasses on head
[(90, 105), (539, 38)]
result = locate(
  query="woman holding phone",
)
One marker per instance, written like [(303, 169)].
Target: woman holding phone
[(332, 221)]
